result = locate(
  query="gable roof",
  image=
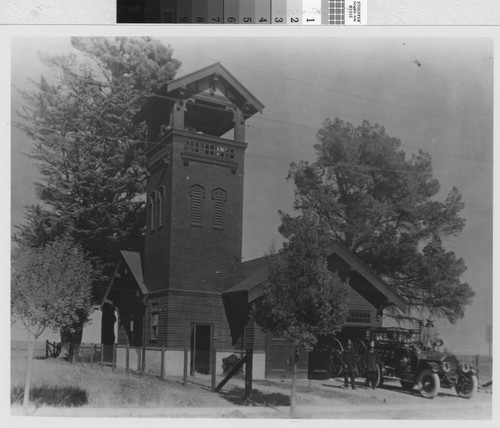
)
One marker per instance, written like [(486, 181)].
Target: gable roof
[(255, 274), (196, 78), (132, 260), (197, 82), (365, 271)]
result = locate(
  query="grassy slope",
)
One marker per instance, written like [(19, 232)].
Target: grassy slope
[(104, 388)]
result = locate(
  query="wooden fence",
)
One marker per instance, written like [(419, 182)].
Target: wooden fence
[(161, 362)]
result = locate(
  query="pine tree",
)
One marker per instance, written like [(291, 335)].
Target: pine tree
[(89, 153), (384, 208)]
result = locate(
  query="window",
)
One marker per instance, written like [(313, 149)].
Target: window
[(163, 189), (360, 317), (197, 194), (208, 149), (152, 210), (161, 206), (218, 200), (155, 315)]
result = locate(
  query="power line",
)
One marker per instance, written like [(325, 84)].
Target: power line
[(149, 94), (313, 71), (348, 93)]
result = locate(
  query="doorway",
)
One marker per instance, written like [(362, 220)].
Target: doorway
[(201, 345)]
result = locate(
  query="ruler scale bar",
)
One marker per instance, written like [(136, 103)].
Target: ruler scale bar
[(249, 12)]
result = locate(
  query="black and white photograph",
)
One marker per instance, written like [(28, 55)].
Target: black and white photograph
[(252, 227)]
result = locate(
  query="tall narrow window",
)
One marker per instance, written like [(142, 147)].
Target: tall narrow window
[(197, 194), (152, 210), (161, 209), (218, 200), (155, 315)]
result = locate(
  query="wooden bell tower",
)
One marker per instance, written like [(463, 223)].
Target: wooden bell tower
[(195, 163)]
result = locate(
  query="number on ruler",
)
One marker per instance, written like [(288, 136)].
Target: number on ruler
[(295, 20), (262, 20), (278, 19), (200, 19), (231, 19), (184, 19), (216, 19), (247, 19)]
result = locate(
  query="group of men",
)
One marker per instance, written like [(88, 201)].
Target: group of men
[(372, 362)]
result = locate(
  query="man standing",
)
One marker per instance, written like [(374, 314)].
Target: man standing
[(372, 366), (349, 360), (429, 335)]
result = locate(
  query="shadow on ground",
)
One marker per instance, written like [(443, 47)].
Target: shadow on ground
[(270, 399), (66, 396)]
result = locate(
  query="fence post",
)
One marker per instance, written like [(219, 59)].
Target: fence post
[(127, 359), (476, 360), (92, 349), (46, 349), (143, 360), (248, 374), (113, 367), (162, 365), (101, 362), (212, 368), (185, 373)]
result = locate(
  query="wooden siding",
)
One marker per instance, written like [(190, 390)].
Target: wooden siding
[(188, 266), (254, 336), (188, 308), (280, 359), (157, 245), (356, 302), (205, 257)]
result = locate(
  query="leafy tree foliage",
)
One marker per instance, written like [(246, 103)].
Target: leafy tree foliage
[(51, 287), (90, 155), (303, 301), (384, 207)]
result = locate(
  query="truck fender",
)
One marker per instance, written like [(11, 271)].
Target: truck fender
[(432, 366)]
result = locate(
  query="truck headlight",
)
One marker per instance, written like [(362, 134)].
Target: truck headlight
[(464, 367)]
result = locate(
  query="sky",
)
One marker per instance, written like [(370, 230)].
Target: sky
[(433, 93)]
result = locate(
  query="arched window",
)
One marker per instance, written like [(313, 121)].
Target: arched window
[(161, 206), (218, 200), (152, 210), (197, 194)]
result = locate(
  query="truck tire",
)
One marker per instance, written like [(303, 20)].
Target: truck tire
[(428, 383), (380, 377), (466, 386)]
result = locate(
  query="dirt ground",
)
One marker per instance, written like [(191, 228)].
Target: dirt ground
[(117, 393)]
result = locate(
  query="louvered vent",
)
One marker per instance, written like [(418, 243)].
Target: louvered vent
[(197, 195), (218, 198)]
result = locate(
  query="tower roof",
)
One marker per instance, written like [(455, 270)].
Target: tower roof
[(210, 86)]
